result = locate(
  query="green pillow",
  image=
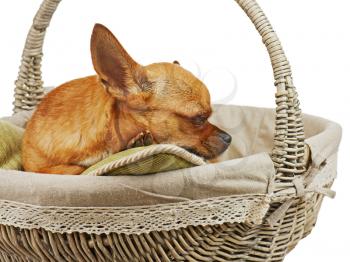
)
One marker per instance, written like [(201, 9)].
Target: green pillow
[(10, 146), (145, 160)]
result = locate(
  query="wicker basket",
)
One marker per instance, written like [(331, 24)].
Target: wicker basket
[(292, 204)]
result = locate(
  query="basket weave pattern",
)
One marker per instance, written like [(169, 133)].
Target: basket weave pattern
[(269, 241)]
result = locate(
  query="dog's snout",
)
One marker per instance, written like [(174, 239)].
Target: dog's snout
[(225, 137)]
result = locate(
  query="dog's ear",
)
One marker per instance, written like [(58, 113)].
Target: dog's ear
[(115, 67)]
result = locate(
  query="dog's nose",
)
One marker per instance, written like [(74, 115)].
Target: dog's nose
[(225, 137)]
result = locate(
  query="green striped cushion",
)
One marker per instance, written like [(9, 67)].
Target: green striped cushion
[(145, 160), (10, 146)]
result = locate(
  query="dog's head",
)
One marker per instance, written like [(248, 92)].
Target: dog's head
[(162, 98)]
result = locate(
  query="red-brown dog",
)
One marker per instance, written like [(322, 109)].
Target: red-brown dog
[(85, 120)]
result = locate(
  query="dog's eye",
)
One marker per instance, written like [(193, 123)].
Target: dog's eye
[(146, 85), (199, 120)]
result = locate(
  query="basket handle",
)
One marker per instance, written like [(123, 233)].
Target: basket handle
[(289, 147)]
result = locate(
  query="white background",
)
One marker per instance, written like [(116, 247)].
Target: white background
[(216, 41)]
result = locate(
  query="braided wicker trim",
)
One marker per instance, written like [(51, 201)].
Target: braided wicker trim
[(136, 220), (147, 152)]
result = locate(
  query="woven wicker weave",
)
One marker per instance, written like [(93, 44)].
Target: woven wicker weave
[(291, 215)]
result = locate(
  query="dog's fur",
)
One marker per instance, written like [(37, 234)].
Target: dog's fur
[(85, 120)]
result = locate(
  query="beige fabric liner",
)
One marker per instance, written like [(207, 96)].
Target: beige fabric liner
[(251, 130), (237, 189), (234, 177)]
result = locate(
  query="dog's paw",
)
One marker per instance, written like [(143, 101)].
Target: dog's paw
[(143, 139)]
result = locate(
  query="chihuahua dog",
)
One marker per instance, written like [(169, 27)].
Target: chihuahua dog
[(85, 120)]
